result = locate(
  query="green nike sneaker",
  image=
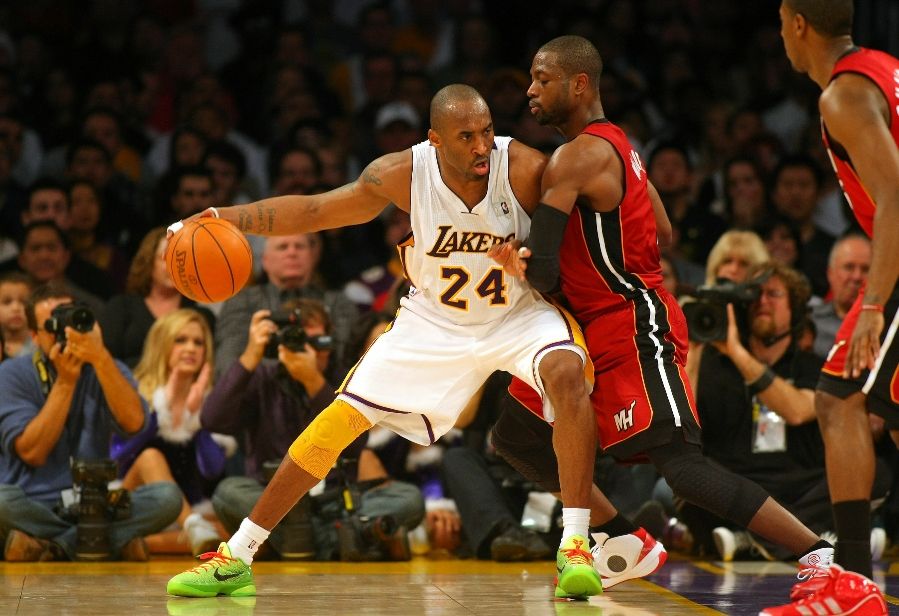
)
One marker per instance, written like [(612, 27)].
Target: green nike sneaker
[(218, 574), (577, 579)]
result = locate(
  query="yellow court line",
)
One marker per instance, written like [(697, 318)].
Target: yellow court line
[(676, 598), (710, 568)]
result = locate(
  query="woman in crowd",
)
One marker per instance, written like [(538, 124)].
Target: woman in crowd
[(149, 295), (733, 255), (174, 375), (745, 196), (85, 209)]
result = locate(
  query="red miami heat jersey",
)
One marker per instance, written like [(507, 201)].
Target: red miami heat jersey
[(883, 70), (609, 258)]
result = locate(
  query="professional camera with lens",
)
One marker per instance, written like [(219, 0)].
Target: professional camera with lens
[(95, 507), (292, 335), (362, 538), (76, 315), (707, 316)]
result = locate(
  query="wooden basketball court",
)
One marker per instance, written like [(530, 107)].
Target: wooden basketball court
[(432, 587)]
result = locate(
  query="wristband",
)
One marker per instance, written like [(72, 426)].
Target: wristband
[(215, 212), (762, 383), (173, 228), (874, 307)]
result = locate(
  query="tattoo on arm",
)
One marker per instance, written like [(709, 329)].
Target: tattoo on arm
[(260, 215), (271, 218), (244, 223), (370, 175)]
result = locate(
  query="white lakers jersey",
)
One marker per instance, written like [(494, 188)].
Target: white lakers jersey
[(446, 260)]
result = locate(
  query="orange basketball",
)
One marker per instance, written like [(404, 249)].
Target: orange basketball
[(209, 260)]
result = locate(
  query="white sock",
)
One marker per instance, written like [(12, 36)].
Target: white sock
[(192, 519), (244, 543), (575, 522)]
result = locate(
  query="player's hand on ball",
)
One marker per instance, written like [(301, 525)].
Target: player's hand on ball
[(173, 228)]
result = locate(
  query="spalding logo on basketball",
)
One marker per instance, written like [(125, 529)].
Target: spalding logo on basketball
[(209, 260)]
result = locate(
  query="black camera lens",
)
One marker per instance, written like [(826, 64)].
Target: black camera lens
[(706, 321), (81, 319)]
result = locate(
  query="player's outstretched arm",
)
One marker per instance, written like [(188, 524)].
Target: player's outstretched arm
[(384, 180), (856, 116)]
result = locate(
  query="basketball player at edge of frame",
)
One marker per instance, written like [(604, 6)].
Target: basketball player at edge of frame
[(859, 107), (461, 183), (599, 241)]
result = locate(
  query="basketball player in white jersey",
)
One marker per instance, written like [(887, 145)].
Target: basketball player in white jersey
[(465, 190)]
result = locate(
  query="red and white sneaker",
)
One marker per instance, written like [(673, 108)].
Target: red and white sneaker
[(626, 557), (845, 593), (814, 573)]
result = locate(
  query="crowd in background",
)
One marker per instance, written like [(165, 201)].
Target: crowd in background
[(118, 118)]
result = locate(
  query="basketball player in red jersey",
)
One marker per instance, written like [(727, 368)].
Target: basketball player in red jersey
[(859, 108), (595, 231)]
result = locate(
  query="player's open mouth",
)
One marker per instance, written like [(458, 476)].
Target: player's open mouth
[(482, 168)]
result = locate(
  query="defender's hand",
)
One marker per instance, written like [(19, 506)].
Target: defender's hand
[(864, 345), (512, 256), (173, 228)]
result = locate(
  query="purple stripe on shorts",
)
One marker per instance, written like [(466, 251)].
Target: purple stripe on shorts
[(372, 404)]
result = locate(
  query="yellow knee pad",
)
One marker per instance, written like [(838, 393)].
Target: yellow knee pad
[(318, 446)]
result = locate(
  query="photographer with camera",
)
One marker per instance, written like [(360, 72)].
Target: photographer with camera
[(279, 384), (755, 398), (58, 411)]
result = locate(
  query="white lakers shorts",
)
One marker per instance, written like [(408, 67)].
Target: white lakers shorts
[(421, 372)]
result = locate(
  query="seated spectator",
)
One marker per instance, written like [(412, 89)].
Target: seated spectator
[(755, 398), (15, 288), (847, 271), (291, 264), (671, 172), (228, 170), (149, 295), (733, 255), (266, 403), (127, 214), (191, 191), (374, 285), (48, 200), (61, 405), (782, 240), (174, 376), (45, 257), (796, 186), (85, 234), (746, 199), (670, 280)]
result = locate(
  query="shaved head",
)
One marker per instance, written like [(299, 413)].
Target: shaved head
[(453, 102), (831, 18), (575, 54)]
